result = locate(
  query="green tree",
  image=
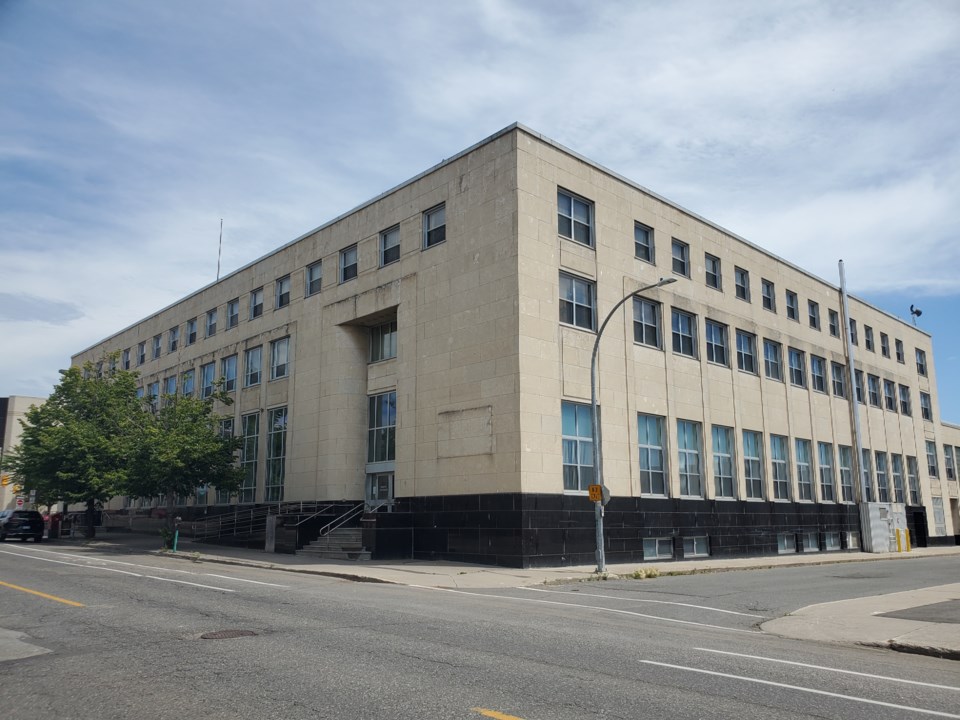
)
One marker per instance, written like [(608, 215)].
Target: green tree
[(180, 449), (75, 447)]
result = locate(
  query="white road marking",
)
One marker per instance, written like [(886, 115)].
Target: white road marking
[(590, 607), (255, 582), (641, 600), (814, 691), (185, 582), (96, 559), (832, 669)]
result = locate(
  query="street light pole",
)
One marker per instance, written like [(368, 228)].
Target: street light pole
[(597, 435)]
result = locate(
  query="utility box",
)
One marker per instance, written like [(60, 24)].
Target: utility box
[(880, 522)]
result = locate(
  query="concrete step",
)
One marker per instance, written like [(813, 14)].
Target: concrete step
[(340, 544)]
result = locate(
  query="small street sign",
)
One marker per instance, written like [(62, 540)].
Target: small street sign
[(19, 502), (595, 492)]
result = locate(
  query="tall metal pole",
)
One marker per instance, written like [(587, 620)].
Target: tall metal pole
[(863, 493), (597, 435)]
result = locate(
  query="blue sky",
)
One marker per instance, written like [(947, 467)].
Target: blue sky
[(819, 130)]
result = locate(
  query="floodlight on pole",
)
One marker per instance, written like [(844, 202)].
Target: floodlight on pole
[(597, 435)]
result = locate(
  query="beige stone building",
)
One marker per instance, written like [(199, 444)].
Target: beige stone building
[(12, 411), (432, 348)]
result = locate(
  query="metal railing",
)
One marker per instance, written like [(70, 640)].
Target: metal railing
[(253, 521)]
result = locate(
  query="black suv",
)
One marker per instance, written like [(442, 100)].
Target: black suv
[(22, 524)]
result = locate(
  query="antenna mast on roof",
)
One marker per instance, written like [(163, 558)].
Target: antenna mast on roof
[(220, 249)]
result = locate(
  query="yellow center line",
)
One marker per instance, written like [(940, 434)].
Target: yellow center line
[(494, 714), (43, 595)]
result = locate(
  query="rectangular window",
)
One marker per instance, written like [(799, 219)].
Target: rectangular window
[(658, 548), (173, 339), (834, 322), (901, 358), (804, 478), (905, 406), (921, 362), (853, 332), (207, 372), (684, 333), (773, 359), (652, 468), (389, 246), (810, 543), (276, 454), (948, 462), (890, 395), (643, 243), (170, 385), (125, 362), (212, 322), (313, 279), (225, 431), (798, 367), (711, 265), (926, 408), (753, 464), (688, 450), (383, 341), (747, 351), (646, 322), (681, 257), (741, 281), (256, 303), (434, 226), (939, 521), (868, 338), (252, 363), (769, 295), (845, 464), (141, 353), (191, 331), (883, 489), (715, 335), (786, 543), (723, 462), (282, 292), (698, 546), (813, 312), (873, 390), (818, 373), (825, 456), (577, 302), (831, 541), (187, 382), (793, 306), (885, 345), (348, 263), (157, 341), (896, 470), (780, 464), (933, 469), (858, 386), (577, 440), (913, 480), (153, 392), (839, 373), (249, 457), (866, 466), (574, 218), (382, 428), (279, 358), (228, 371), (233, 313)]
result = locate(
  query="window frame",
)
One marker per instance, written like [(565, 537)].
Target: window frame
[(383, 342), (256, 303), (644, 250), (173, 339), (797, 371), (753, 464), (387, 246), (208, 373), (712, 272), (715, 338), (768, 295), (793, 305), (825, 471), (813, 314), (434, 234), (211, 323), (382, 427), (233, 313), (564, 303), (884, 345), (838, 379), (690, 458), (678, 335), (252, 372), (642, 327), (804, 460), (724, 463), (680, 257), (747, 353), (771, 364), (582, 445), (818, 374), (741, 283), (873, 390), (280, 358), (654, 477), (228, 371), (921, 362), (349, 269), (780, 466), (573, 199), (282, 292), (833, 322), (313, 278)]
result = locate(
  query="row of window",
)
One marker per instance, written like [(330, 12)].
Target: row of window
[(577, 308), (434, 233), (813, 472), (575, 221)]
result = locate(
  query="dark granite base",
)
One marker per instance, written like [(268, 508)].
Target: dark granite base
[(539, 530)]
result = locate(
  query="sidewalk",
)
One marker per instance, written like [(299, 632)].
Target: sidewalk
[(925, 621)]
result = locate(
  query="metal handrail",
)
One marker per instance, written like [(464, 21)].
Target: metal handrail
[(321, 511), (346, 517)]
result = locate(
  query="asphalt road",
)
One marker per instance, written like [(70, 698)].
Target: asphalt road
[(119, 636)]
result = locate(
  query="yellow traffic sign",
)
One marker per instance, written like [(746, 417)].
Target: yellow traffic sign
[(4, 480), (595, 492)]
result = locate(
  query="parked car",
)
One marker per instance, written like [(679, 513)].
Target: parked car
[(22, 524)]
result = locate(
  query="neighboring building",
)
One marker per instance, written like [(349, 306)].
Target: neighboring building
[(432, 348), (12, 410)]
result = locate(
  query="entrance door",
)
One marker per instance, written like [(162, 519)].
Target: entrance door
[(380, 491)]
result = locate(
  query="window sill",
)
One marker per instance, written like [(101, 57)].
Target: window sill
[(577, 242), (581, 493), (577, 327)]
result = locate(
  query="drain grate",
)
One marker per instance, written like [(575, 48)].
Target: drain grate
[(227, 634)]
